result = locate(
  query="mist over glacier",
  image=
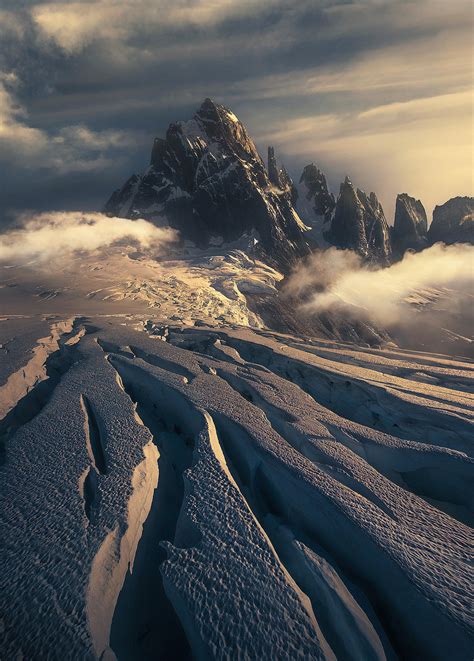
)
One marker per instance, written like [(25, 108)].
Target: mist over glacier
[(331, 277), (58, 234), (423, 301)]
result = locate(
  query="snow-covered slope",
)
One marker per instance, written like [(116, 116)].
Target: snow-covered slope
[(187, 287), (225, 492), (177, 476)]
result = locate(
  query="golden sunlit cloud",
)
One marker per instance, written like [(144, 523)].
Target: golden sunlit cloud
[(421, 144), (406, 146)]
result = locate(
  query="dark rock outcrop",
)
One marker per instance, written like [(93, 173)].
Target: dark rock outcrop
[(280, 178), (273, 172), (207, 180), (315, 204), (359, 224), (410, 226), (314, 189), (453, 221)]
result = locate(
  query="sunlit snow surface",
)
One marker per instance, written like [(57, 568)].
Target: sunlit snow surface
[(220, 491)]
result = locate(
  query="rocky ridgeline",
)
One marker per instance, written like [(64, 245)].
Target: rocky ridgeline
[(207, 180), (359, 224), (453, 221)]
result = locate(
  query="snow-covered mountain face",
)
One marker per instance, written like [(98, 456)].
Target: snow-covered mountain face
[(359, 224), (314, 190), (355, 221), (410, 226), (453, 222), (207, 180)]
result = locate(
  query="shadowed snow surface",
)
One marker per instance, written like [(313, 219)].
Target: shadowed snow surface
[(232, 493)]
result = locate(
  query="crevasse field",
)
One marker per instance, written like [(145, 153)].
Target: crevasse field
[(175, 476)]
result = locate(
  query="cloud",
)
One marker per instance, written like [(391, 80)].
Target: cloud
[(11, 24), (54, 235), (334, 277), (71, 149), (81, 135), (17, 140), (414, 68), (423, 146), (301, 75), (74, 25)]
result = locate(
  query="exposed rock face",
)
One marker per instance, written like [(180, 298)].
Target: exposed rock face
[(289, 184), (273, 172), (207, 180), (280, 178), (315, 203), (359, 224), (314, 188), (410, 226), (453, 221)]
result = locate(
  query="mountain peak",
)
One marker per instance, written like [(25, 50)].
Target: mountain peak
[(453, 221), (209, 107), (316, 201), (359, 224), (210, 110), (410, 225), (209, 102), (208, 181)]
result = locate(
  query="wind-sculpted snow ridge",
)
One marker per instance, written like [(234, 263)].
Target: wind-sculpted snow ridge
[(236, 494)]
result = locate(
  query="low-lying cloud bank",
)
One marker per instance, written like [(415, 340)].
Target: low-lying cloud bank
[(334, 277), (45, 236)]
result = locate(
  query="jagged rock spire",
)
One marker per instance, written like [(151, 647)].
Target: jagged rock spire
[(359, 224), (207, 180), (273, 172), (314, 188), (410, 225)]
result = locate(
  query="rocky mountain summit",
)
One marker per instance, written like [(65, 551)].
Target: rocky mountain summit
[(356, 221), (314, 189), (453, 221), (411, 226), (207, 180), (315, 204), (359, 224), (279, 177)]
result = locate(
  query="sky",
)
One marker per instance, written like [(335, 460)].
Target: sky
[(380, 90)]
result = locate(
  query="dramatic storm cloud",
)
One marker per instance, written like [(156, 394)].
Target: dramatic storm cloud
[(378, 89), (58, 234)]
